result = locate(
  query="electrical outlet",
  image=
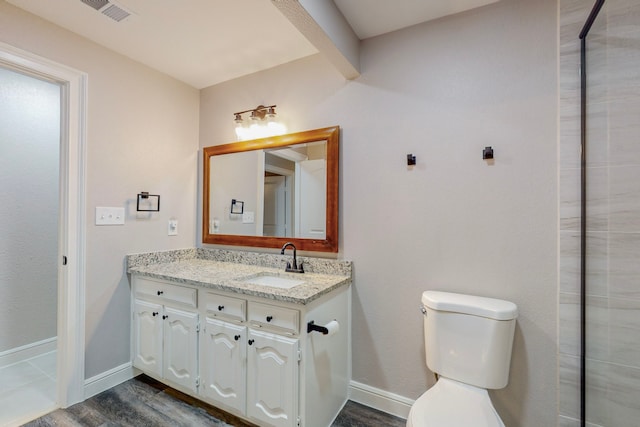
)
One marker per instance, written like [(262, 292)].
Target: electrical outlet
[(173, 227)]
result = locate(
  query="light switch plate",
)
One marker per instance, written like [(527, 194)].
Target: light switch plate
[(109, 216), (248, 218)]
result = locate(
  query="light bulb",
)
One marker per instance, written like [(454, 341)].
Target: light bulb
[(276, 128), (239, 128), (241, 133)]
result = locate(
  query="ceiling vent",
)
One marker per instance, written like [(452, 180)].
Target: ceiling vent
[(96, 4), (109, 9)]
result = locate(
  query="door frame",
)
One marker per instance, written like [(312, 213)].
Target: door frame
[(291, 182), (71, 226)]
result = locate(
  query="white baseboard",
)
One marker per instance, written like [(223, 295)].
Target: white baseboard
[(108, 379), (381, 400), (28, 351)]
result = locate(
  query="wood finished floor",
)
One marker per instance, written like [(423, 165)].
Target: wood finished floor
[(144, 402)]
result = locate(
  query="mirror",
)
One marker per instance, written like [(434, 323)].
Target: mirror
[(269, 191)]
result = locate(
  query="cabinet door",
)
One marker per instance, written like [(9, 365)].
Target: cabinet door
[(180, 347), (223, 364), (147, 340), (272, 379)]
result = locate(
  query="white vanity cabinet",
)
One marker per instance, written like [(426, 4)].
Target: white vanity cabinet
[(147, 332), (251, 371), (273, 364), (165, 331), (272, 390), (223, 368), (252, 357), (223, 360)]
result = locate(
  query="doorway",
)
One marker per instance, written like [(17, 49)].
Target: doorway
[(65, 268), (277, 205), (29, 215)]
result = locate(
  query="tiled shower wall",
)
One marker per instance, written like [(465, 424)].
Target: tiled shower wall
[(613, 212)]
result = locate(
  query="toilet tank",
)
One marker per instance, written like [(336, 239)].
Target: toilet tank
[(469, 338)]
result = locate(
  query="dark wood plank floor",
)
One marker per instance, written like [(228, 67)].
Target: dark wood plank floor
[(142, 402)]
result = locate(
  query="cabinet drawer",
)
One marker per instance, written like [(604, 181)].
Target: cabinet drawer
[(225, 307), (165, 292), (271, 316)]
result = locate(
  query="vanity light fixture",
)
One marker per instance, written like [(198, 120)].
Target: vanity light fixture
[(262, 123)]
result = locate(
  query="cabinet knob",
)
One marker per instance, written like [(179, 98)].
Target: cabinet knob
[(164, 316), (160, 292), (250, 342), (269, 318), (155, 313), (237, 337), (220, 307)]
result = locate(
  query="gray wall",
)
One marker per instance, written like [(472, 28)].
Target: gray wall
[(29, 164), (442, 91), (142, 136)]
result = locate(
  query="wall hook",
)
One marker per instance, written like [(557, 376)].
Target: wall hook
[(487, 153), (411, 160)]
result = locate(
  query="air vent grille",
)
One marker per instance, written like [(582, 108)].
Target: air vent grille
[(116, 13), (96, 4), (108, 9)]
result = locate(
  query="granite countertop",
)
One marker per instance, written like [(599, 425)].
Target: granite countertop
[(202, 269)]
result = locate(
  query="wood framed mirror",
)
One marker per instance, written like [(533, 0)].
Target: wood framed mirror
[(288, 186)]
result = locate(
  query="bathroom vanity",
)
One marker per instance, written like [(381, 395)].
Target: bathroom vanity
[(233, 329)]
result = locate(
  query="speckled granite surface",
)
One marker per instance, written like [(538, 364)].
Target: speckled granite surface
[(224, 270), (137, 260)]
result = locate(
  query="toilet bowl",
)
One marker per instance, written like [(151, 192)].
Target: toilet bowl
[(468, 342), (453, 404)]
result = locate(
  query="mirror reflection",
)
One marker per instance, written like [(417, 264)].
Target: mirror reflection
[(268, 191), (282, 192)]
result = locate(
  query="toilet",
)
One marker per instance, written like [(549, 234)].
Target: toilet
[(468, 341)]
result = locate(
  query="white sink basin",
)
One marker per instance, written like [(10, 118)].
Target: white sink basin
[(274, 280)]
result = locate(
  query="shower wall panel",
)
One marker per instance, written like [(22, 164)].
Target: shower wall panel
[(613, 214)]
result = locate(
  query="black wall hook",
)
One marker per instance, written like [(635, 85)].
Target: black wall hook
[(411, 160), (487, 153)]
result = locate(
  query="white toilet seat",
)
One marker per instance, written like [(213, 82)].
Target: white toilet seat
[(450, 403)]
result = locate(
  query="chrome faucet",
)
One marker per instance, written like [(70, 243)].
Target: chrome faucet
[(292, 268)]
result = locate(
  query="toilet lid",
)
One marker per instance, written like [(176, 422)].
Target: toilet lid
[(453, 404)]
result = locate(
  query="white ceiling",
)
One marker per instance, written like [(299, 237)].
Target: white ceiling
[(370, 18), (205, 42)]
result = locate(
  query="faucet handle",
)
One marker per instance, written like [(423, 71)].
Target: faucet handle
[(290, 269)]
